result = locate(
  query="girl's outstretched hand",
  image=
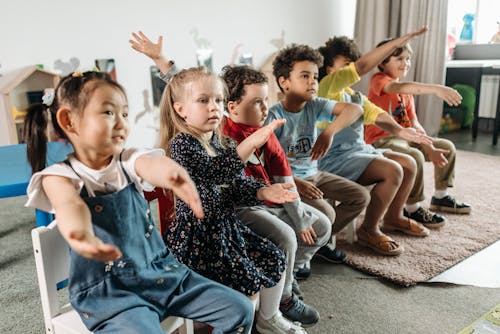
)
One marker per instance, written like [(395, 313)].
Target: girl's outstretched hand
[(91, 247), (181, 184), (144, 45), (277, 193)]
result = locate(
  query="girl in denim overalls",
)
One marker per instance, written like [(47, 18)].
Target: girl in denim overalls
[(122, 277), (219, 245)]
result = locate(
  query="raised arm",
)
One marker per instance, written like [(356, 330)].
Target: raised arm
[(345, 115), (74, 220), (374, 57), (163, 172), (449, 95), (141, 43)]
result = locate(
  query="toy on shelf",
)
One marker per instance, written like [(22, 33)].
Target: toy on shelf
[(495, 39), (467, 30)]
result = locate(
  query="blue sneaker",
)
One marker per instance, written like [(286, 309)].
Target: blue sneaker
[(303, 273), (295, 309), (449, 204), (331, 255)]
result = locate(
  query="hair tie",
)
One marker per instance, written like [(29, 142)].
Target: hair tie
[(77, 74), (48, 96)]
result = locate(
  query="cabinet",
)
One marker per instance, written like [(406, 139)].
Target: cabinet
[(14, 88), (471, 72)]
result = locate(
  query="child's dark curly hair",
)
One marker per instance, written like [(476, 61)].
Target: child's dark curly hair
[(286, 58), (396, 52), (237, 77), (337, 46)]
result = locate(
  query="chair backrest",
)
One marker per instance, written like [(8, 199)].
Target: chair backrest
[(52, 265), (166, 207), (52, 261)]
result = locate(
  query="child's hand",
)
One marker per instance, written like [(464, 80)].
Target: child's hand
[(414, 135), (144, 45), (438, 157), (449, 95), (91, 247), (181, 184), (261, 136), (309, 236), (307, 189), (277, 193), (322, 145), (403, 40)]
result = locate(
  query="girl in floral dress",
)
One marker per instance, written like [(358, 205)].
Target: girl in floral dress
[(219, 246)]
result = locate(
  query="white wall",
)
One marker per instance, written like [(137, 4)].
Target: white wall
[(39, 32)]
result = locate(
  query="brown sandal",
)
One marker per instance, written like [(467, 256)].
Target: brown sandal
[(410, 227), (381, 244)]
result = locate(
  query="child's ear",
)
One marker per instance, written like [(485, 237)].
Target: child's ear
[(179, 109), (231, 108), (329, 69), (65, 119), (283, 83)]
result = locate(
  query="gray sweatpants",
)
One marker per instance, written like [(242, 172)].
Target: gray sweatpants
[(272, 223)]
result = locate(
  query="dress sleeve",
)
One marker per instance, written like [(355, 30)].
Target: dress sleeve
[(244, 190)]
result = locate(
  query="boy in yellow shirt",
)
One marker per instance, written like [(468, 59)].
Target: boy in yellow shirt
[(391, 173)]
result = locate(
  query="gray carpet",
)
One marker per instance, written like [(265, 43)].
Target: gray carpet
[(349, 301), (477, 178)]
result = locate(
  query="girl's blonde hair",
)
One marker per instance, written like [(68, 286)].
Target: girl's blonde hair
[(171, 123)]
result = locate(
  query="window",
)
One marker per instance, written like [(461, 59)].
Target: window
[(485, 24)]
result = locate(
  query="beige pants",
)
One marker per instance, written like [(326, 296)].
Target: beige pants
[(443, 177), (351, 196)]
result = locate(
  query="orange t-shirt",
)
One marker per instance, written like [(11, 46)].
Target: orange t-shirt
[(400, 106)]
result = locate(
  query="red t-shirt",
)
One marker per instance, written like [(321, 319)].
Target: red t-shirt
[(400, 106), (268, 161)]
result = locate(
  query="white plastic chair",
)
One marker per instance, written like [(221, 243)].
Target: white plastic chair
[(52, 266)]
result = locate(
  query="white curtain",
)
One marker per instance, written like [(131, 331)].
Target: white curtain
[(380, 19)]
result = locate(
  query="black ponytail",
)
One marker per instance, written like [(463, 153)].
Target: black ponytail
[(35, 136)]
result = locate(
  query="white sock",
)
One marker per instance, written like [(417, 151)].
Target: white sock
[(254, 302), (333, 242), (270, 299), (440, 193), (412, 207)]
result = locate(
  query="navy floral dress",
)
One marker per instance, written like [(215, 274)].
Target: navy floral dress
[(219, 246)]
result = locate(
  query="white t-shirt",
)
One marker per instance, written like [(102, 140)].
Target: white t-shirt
[(107, 180)]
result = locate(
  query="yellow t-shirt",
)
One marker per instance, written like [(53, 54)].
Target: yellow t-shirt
[(334, 85)]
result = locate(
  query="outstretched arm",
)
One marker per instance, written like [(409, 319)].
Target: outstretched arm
[(374, 57), (163, 172), (449, 95), (257, 139), (416, 135), (346, 114), (141, 43), (74, 220)]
